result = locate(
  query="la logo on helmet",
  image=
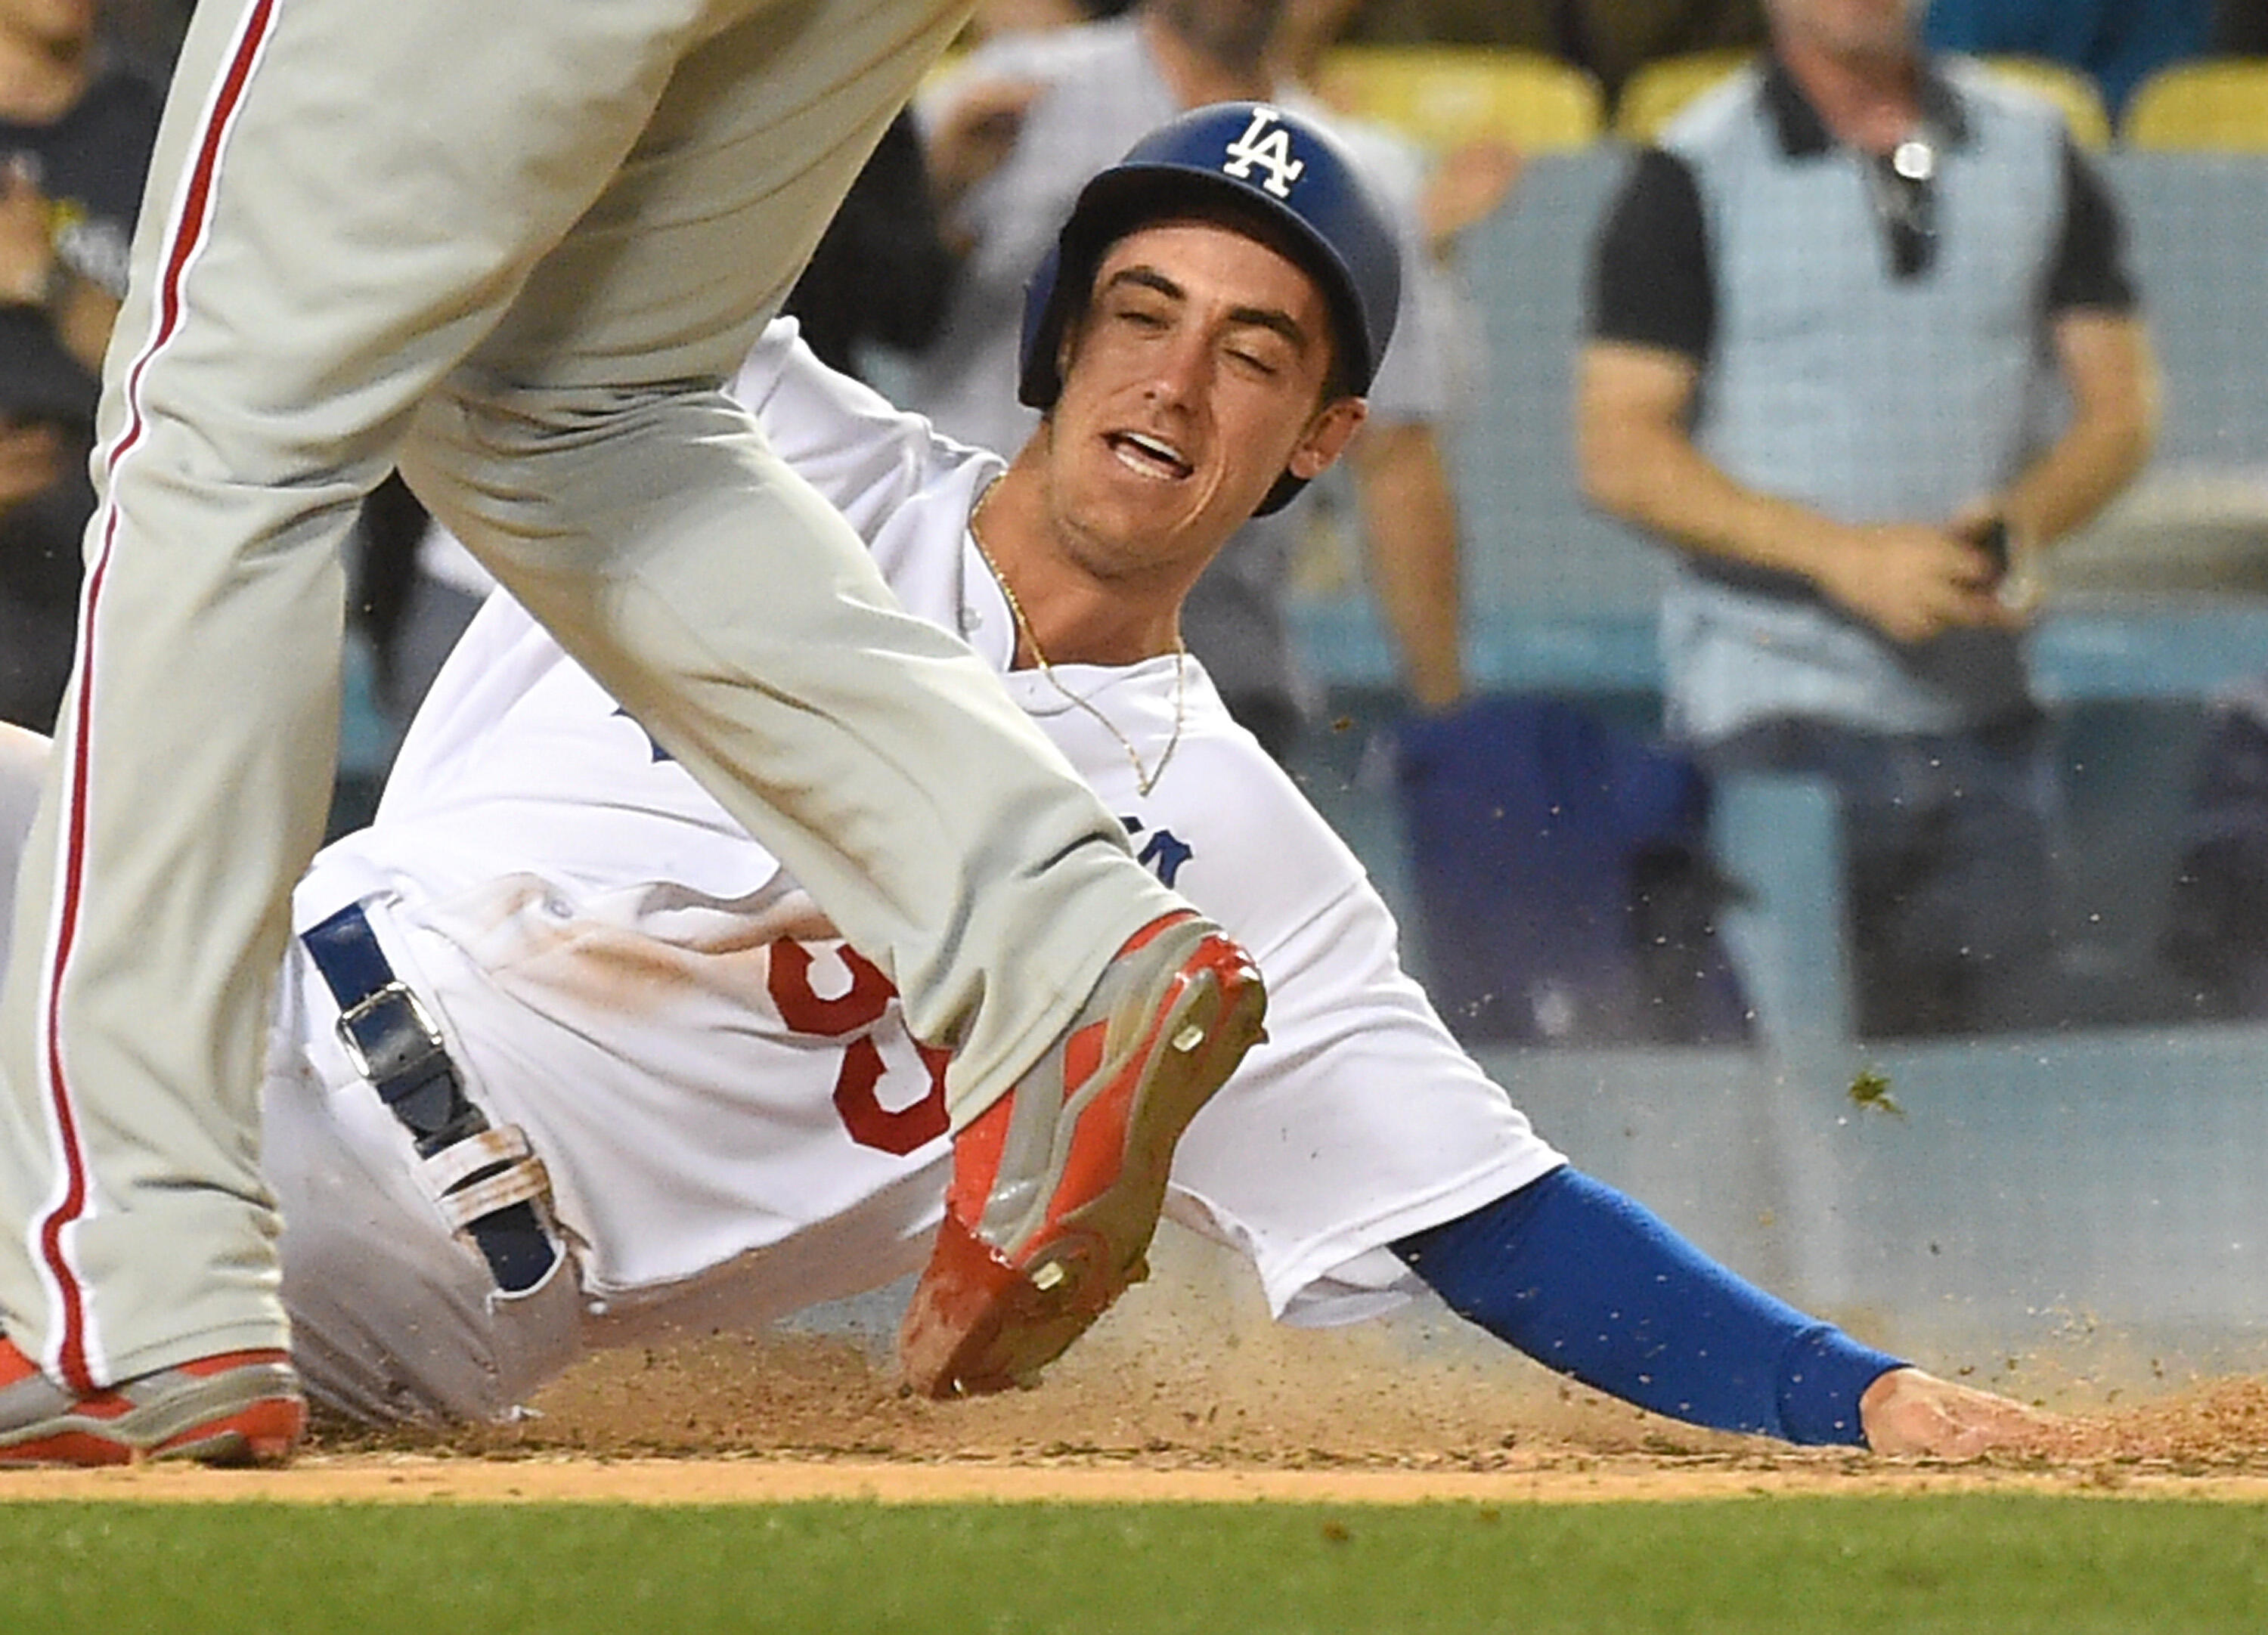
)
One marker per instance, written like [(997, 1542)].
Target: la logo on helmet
[(1267, 144)]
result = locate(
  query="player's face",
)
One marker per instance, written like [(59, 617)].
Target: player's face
[(1194, 382), (1853, 27)]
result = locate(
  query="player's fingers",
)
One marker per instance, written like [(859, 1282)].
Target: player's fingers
[(1913, 1415)]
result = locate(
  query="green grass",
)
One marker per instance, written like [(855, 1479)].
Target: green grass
[(1955, 1564)]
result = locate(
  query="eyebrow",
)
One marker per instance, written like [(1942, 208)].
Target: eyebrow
[(1257, 317)]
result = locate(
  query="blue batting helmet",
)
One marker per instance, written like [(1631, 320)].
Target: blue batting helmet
[(1275, 167)]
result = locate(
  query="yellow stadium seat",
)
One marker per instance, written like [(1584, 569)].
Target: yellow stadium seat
[(1441, 96), (1658, 91), (2214, 105), (2067, 88), (1653, 95)]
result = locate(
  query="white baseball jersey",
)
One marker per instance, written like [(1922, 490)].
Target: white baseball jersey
[(735, 1120)]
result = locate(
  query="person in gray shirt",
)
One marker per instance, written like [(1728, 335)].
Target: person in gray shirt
[(1834, 318)]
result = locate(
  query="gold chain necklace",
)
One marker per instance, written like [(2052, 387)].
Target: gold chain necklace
[(1144, 779)]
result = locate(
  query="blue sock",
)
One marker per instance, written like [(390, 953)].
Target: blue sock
[(1593, 1284)]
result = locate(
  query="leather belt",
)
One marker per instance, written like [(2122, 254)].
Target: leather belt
[(489, 1182)]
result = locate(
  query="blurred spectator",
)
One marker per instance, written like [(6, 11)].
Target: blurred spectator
[(2117, 43), (1610, 37), (1822, 381), (75, 133), (1013, 134)]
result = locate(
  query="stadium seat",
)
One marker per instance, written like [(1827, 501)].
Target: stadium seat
[(1441, 96), (1657, 90), (2066, 87), (2201, 105)]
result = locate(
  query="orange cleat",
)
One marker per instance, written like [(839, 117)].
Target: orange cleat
[(239, 1408), (1057, 1186)]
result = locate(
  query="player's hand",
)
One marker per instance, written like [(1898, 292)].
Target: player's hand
[(27, 250), (31, 462), (1913, 582), (1907, 1414), (973, 137)]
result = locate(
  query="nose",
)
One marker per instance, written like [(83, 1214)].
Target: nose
[(1180, 368)]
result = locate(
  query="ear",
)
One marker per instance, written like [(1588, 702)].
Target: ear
[(1327, 437), (1074, 329)]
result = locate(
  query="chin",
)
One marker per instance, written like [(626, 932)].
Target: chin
[(1136, 524), (1130, 510), (1108, 532)]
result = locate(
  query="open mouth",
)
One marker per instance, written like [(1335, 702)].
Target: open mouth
[(1151, 456)]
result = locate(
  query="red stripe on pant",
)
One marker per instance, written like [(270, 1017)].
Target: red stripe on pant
[(71, 1355)]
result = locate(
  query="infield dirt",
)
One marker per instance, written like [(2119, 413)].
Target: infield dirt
[(1187, 1392)]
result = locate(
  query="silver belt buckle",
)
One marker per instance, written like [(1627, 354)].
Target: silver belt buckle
[(369, 1002)]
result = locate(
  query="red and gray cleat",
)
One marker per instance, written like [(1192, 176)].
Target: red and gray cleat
[(1057, 1186), (240, 1408)]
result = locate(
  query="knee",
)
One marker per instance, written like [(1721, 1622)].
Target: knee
[(486, 417), (488, 457)]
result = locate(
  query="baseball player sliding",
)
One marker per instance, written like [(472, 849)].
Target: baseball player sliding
[(644, 1085)]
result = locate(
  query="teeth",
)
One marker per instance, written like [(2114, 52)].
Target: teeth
[(1189, 1038), (1152, 445)]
